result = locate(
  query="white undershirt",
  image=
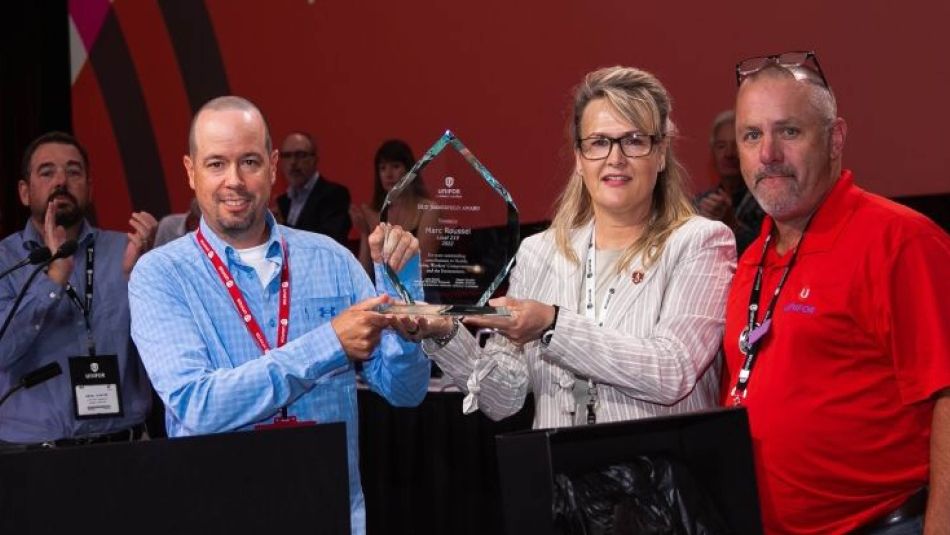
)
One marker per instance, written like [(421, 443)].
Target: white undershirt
[(606, 277), (256, 257)]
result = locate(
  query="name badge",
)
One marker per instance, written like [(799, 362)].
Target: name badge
[(95, 384)]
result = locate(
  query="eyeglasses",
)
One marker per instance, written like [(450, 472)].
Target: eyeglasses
[(47, 171), (296, 154), (805, 59), (636, 145)]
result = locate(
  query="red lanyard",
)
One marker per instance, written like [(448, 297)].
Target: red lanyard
[(283, 311)]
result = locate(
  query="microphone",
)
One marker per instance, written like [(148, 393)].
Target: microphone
[(41, 374), (35, 377), (66, 249), (36, 256)]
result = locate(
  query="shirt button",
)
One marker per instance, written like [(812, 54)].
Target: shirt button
[(52, 295)]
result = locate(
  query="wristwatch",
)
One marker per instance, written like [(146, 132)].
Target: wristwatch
[(548, 333)]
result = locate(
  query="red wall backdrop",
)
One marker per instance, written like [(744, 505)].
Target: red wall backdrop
[(498, 73)]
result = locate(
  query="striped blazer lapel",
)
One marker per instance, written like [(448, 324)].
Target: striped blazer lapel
[(569, 273)]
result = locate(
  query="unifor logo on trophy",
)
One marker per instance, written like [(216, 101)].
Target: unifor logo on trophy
[(468, 231)]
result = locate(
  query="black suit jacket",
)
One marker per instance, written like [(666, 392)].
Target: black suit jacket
[(326, 211)]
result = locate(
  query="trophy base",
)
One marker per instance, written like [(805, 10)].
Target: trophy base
[(444, 310)]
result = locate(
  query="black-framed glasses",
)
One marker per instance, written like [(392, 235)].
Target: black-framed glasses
[(635, 145), (800, 58), (296, 154)]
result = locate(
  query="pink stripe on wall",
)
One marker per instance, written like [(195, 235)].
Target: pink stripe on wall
[(88, 15)]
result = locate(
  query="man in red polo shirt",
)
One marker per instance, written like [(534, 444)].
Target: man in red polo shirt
[(838, 326)]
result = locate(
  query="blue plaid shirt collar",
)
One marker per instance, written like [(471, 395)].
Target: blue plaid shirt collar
[(225, 250)]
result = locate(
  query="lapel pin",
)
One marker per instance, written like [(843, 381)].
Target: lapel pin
[(637, 277)]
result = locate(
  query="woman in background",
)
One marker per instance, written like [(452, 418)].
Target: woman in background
[(393, 160)]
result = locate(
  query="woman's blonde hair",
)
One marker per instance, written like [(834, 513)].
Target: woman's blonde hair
[(639, 98)]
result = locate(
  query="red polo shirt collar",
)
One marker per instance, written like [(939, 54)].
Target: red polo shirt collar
[(824, 228)]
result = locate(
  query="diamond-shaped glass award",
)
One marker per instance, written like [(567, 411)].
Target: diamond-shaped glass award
[(467, 226)]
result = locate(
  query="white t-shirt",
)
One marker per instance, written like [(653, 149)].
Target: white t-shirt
[(256, 257)]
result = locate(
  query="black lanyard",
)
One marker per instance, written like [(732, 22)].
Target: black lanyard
[(754, 332), (87, 307)]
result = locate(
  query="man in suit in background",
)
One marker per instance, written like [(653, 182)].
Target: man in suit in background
[(312, 202), (729, 200)]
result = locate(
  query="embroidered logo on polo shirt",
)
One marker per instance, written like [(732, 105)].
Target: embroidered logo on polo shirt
[(800, 308)]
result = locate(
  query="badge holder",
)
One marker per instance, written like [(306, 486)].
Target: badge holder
[(283, 421), (95, 386)]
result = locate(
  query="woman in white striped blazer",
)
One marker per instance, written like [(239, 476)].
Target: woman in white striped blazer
[(617, 310)]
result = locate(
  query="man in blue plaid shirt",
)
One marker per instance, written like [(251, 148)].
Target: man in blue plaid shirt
[(244, 319)]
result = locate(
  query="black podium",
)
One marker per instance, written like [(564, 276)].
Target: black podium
[(271, 481), (714, 445)]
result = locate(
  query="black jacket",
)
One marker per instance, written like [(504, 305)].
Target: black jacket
[(326, 211)]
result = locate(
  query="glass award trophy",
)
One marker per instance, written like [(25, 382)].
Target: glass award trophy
[(467, 226)]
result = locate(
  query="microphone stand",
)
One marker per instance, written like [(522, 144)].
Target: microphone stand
[(36, 256), (34, 378), (19, 299), (14, 267), (66, 249)]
